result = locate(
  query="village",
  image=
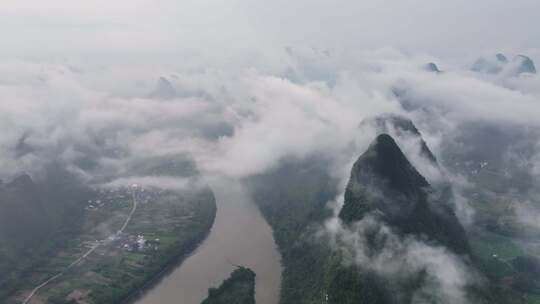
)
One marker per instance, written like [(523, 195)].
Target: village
[(127, 232)]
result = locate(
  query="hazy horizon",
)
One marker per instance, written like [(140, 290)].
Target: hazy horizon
[(65, 30)]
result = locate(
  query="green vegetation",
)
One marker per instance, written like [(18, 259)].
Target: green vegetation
[(239, 288), (401, 196), (485, 244), (178, 225), (500, 243), (513, 275), (293, 199), (165, 228), (38, 217), (350, 286)]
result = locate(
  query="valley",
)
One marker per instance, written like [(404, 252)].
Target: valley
[(129, 236)]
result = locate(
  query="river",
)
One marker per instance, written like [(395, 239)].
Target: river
[(240, 236)]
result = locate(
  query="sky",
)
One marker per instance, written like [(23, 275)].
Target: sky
[(149, 30)]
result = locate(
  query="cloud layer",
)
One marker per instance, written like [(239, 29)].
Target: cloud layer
[(242, 121)]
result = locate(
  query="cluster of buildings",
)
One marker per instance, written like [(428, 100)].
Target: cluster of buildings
[(134, 243), (107, 196)]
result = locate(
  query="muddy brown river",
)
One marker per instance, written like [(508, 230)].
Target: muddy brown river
[(240, 236)]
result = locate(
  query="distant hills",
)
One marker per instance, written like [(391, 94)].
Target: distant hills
[(164, 89), (499, 63), (432, 67)]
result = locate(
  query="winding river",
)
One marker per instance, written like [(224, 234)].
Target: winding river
[(240, 236)]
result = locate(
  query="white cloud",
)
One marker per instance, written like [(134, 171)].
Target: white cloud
[(238, 122), (400, 258), (161, 182)]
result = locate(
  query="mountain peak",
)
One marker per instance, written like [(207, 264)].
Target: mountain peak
[(489, 65), (520, 64), (385, 140), (164, 89), (401, 125), (384, 182), (22, 147), (501, 57), (432, 67), (384, 168), (22, 182), (524, 64), (387, 150)]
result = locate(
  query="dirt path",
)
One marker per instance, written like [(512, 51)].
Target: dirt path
[(86, 254)]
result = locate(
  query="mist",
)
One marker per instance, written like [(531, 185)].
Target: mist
[(234, 90)]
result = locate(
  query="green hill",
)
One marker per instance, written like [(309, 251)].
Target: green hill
[(37, 217), (239, 288), (384, 182)]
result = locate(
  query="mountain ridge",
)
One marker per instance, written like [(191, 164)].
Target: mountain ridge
[(385, 183)]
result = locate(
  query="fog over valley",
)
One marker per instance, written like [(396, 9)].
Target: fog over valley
[(269, 152)]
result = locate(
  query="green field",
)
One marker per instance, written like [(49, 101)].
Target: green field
[(496, 241), (169, 224)]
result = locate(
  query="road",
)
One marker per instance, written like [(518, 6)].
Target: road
[(86, 254)]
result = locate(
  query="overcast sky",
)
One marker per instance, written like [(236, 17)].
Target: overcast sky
[(32, 28)]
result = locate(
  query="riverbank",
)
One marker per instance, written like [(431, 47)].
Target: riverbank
[(240, 236), (293, 200), (239, 288), (167, 269), (166, 227)]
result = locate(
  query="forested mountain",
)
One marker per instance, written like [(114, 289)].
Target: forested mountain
[(37, 216), (239, 288), (23, 214), (293, 200), (402, 127), (384, 181), (383, 185)]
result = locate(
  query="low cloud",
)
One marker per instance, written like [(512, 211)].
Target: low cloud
[(447, 276), (239, 120), (527, 214), (161, 182)]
